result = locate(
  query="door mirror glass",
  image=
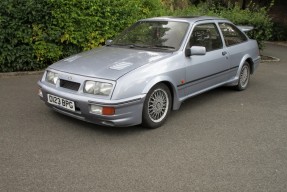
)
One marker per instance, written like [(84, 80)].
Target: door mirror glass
[(195, 50)]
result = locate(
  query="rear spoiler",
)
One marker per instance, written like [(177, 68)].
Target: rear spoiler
[(245, 28)]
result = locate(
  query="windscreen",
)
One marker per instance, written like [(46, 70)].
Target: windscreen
[(154, 34)]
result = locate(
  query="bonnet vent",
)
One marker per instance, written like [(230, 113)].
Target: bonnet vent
[(121, 66)]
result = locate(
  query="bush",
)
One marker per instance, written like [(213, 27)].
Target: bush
[(280, 32), (17, 18), (36, 33)]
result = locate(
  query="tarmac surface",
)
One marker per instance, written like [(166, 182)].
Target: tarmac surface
[(223, 140)]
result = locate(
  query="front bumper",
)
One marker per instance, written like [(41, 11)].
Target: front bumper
[(128, 112)]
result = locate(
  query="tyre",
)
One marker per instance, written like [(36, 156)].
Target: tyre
[(244, 77), (157, 106)]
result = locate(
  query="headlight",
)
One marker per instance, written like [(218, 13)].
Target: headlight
[(98, 88), (52, 77)]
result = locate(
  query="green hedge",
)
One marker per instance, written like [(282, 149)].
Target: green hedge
[(17, 19), (36, 33)]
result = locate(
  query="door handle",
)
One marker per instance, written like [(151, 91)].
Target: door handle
[(224, 53)]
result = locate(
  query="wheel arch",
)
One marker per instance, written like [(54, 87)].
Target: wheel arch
[(251, 64), (247, 58), (172, 88)]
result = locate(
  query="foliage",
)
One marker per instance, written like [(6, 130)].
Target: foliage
[(281, 32), (36, 33), (16, 40)]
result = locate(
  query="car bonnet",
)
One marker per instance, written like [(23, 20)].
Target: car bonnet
[(107, 62)]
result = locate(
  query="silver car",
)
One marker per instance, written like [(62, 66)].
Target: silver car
[(149, 70)]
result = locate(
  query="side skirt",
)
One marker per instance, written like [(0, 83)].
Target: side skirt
[(228, 83)]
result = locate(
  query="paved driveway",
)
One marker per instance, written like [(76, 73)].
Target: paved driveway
[(222, 140)]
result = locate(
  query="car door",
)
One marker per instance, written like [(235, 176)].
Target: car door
[(205, 71)]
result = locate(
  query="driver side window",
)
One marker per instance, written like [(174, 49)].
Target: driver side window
[(206, 35)]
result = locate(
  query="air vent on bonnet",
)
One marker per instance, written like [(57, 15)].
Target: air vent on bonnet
[(73, 58), (120, 66)]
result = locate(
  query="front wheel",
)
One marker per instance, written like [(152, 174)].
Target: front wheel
[(244, 77), (157, 106)]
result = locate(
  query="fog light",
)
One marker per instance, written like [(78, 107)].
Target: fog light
[(102, 110), (96, 109), (40, 93)]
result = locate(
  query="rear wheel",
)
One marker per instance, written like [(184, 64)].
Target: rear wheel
[(244, 77), (157, 106)]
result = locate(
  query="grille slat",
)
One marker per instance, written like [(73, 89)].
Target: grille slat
[(69, 85)]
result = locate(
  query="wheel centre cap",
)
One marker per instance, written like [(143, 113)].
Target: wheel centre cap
[(158, 105)]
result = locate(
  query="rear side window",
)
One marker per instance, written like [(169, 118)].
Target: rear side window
[(206, 35), (231, 34)]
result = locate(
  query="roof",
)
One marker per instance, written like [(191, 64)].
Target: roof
[(190, 19)]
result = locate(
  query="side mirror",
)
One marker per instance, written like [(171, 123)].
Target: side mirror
[(195, 50), (108, 42)]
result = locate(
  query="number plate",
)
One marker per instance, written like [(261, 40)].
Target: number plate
[(65, 103)]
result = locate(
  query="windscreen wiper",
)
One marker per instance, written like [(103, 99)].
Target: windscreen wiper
[(130, 45), (137, 46), (161, 47)]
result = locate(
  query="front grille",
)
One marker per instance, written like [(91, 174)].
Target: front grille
[(69, 85)]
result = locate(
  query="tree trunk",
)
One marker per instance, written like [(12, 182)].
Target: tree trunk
[(243, 5)]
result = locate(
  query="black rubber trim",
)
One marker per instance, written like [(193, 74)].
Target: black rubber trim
[(207, 76)]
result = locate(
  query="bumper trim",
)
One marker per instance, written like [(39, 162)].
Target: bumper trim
[(120, 104), (68, 113)]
